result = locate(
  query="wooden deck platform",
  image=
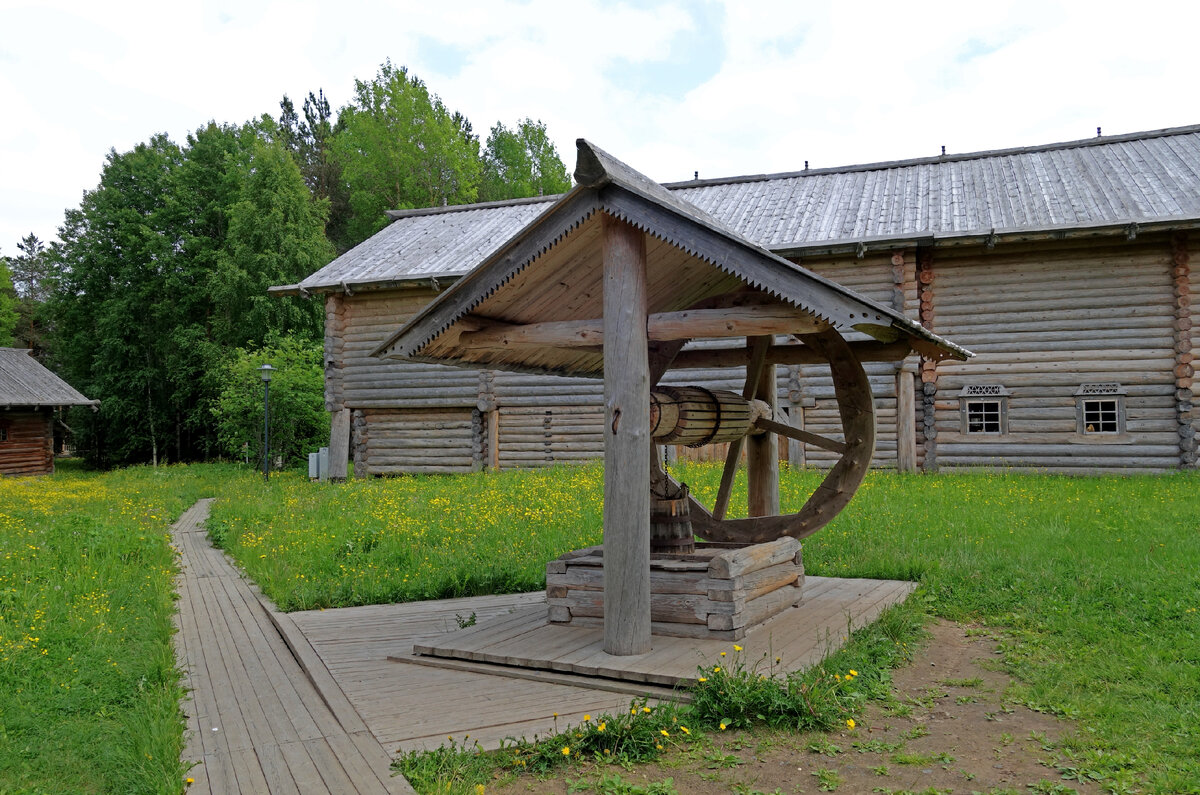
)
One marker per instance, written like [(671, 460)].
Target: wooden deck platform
[(414, 701), (799, 637), (256, 719)]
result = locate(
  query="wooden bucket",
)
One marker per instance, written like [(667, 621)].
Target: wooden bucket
[(695, 416), (671, 524)]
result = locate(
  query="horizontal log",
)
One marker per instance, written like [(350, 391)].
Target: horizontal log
[(390, 469), (1049, 463), (673, 608), (663, 326), (733, 563), (786, 354)]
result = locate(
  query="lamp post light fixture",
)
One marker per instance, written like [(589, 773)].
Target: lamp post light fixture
[(266, 370)]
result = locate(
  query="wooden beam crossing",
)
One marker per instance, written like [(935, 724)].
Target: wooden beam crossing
[(660, 327)]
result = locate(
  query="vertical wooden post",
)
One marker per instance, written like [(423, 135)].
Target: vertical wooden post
[(762, 451), (339, 444), (906, 419), (626, 440)]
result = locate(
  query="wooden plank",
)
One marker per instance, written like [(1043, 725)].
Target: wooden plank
[(661, 327), (627, 437), (762, 450)]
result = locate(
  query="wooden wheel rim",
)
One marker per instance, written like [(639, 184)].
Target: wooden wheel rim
[(856, 407)]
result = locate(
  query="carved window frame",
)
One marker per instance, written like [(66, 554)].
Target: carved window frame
[(986, 400), (1090, 404)]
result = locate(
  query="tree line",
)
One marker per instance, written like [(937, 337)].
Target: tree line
[(153, 300)]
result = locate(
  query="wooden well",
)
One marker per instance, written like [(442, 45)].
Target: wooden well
[(719, 591)]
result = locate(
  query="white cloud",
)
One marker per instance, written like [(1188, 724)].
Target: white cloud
[(832, 83)]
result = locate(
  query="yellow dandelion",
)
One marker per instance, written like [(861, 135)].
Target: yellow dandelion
[(723, 724), (850, 723), (685, 730), (566, 751), (722, 654), (702, 679), (664, 732), (645, 709), (587, 718), (737, 647), (658, 746), (601, 727), (190, 780), (479, 790), (717, 669), (853, 672)]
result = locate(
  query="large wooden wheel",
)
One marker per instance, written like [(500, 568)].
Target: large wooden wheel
[(856, 407)]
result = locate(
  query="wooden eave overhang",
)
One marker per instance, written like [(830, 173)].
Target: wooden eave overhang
[(549, 274)]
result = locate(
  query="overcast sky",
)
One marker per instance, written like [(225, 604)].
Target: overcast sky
[(722, 88)]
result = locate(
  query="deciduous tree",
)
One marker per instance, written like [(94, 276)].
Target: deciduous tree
[(401, 148), (521, 162)]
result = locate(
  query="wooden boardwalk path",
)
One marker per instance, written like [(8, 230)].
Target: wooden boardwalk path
[(263, 713)]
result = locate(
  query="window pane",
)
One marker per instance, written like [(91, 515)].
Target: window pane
[(983, 416), (1100, 416)]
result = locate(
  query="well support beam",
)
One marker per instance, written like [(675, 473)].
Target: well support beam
[(626, 440), (661, 327), (762, 450)]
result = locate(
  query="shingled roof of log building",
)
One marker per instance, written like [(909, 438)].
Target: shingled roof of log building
[(1112, 185), (25, 382)]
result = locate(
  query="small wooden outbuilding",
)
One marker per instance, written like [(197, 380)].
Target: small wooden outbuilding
[(30, 396)]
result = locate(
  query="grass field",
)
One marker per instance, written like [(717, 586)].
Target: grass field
[(1095, 582), (89, 692)]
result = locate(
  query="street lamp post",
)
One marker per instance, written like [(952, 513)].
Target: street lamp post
[(266, 370)]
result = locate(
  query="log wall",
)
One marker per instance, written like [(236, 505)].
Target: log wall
[(1043, 318), (28, 444), (1043, 321), (1187, 387), (889, 279)]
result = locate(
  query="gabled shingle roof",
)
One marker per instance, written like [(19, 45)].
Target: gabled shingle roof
[(25, 382), (552, 271), (1150, 178)]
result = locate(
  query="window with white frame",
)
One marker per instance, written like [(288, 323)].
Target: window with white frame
[(984, 409), (1100, 409)]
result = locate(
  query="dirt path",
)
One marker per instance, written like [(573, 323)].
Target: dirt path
[(954, 733)]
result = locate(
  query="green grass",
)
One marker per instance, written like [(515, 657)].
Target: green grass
[(1092, 582), (89, 692), (1091, 585)]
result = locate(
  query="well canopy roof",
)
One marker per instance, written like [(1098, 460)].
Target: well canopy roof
[(25, 382), (545, 283)]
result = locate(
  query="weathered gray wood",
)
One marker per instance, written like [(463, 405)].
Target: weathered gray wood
[(758, 357), (274, 729), (906, 427), (705, 358), (762, 450), (737, 562), (627, 437), (661, 327), (799, 435), (857, 409)]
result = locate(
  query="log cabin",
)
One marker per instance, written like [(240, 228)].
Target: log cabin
[(30, 396), (1065, 267)]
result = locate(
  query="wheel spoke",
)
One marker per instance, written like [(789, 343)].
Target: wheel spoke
[(824, 442)]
